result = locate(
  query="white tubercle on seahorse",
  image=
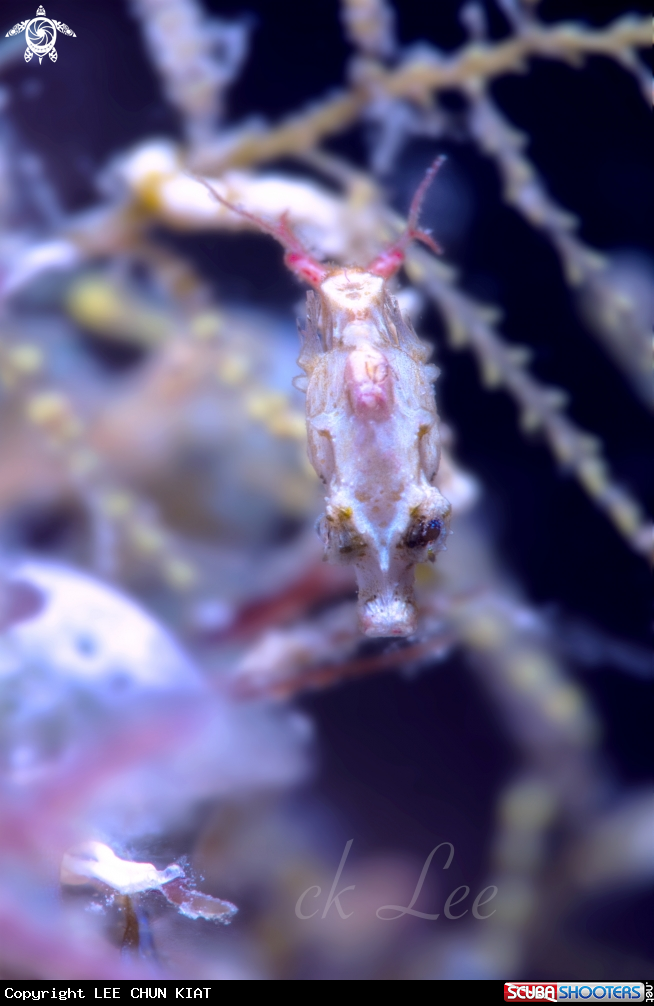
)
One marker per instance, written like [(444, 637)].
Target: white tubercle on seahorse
[(372, 425)]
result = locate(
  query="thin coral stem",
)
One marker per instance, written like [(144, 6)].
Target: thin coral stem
[(615, 319), (418, 79), (114, 509), (326, 675), (540, 407)]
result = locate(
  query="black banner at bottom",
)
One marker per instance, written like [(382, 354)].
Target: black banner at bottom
[(26, 991)]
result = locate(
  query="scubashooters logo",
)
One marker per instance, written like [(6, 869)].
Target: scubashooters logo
[(573, 991), (40, 35)]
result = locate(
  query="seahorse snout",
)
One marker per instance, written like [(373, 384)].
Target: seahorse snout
[(388, 614)]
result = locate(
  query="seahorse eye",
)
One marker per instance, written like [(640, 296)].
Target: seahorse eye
[(423, 532), (350, 542), (341, 538)]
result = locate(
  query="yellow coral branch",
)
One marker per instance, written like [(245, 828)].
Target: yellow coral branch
[(418, 79), (53, 416), (502, 365), (615, 316)]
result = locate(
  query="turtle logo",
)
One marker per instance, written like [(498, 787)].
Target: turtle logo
[(40, 35)]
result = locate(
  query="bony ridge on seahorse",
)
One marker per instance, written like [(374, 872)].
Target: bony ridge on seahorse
[(372, 424)]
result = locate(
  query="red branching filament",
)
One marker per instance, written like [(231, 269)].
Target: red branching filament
[(297, 258), (302, 263), (388, 263)]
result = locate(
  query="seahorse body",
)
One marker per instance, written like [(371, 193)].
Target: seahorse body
[(373, 439)]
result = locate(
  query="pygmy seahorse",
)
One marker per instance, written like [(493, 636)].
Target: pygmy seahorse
[(372, 424)]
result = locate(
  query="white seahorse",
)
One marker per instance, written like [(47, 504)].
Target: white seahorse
[(372, 424)]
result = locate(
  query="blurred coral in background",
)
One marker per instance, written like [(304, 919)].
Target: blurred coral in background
[(193, 733)]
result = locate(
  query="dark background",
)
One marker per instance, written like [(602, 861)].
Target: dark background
[(412, 763)]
